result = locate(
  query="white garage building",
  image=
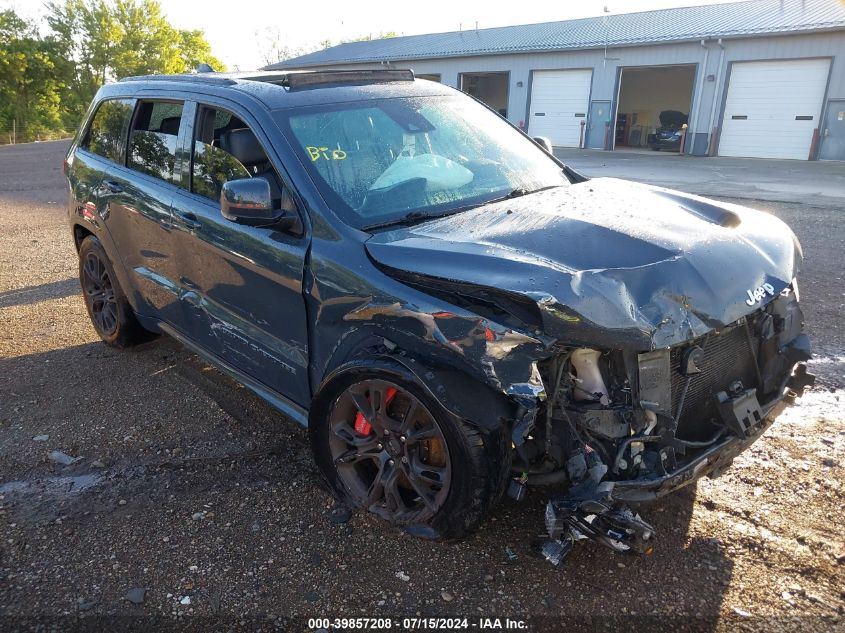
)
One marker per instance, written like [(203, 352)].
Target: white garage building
[(761, 78)]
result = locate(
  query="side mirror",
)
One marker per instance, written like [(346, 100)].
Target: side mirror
[(544, 142), (248, 201)]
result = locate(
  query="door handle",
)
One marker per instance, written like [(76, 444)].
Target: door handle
[(189, 220), (112, 186)]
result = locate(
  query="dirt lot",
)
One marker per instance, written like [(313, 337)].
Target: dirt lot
[(192, 489)]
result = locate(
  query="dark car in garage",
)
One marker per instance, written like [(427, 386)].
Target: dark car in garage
[(668, 136), (450, 310)]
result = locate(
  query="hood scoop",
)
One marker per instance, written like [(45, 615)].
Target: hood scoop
[(704, 210)]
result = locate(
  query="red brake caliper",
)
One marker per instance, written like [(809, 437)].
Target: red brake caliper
[(362, 427)]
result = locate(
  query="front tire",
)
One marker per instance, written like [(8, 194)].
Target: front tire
[(107, 305), (385, 444)]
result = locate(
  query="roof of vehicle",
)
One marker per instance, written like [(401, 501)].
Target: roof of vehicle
[(736, 19), (287, 89)]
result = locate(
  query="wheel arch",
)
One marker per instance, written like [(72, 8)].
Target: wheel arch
[(460, 393), (81, 232)]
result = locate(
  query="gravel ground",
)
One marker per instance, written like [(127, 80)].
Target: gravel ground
[(189, 487)]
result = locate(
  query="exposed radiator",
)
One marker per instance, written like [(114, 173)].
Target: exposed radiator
[(727, 358)]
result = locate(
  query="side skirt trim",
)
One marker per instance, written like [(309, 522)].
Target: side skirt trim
[(277, 400)]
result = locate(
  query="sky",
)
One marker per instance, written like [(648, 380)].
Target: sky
[(239, 31)]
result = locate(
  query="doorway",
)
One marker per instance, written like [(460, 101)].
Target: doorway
[(653, 107), (833, 132), (598, 124), (488, 87)]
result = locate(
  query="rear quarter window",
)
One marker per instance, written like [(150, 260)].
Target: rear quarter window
[(106, 135)]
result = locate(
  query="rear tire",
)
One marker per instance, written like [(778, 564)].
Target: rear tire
[(437, 487), (109, 310)]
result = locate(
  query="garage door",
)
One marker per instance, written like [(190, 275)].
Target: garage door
[(773, 107), (559, 102)]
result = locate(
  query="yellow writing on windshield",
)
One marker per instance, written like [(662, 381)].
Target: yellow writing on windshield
[(316, 153)]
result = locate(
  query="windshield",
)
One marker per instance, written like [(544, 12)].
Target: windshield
[(377, 162)]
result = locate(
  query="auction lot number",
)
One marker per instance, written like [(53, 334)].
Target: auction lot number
[(409, 624)]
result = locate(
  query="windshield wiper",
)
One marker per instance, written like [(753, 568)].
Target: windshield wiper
[(409, 218), (417, 216), (518, 193)]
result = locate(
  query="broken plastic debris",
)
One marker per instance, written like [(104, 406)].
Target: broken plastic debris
[(401, 575), (510, 553), (556, 551), (40, 438), (517, 488), (186, 600)]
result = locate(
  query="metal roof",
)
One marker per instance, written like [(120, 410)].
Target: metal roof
[(737, 19)]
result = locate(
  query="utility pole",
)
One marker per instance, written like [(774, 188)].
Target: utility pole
[(14, 131)]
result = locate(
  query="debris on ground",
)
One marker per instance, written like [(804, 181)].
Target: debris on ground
[(136, 595), (62, 458), (340, 514)]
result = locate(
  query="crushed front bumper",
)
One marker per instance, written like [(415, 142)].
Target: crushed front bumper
[(708, 461), (597, 511)]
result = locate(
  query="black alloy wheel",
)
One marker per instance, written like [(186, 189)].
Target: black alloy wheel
[(105, 301), (99, 295), (389, 451)]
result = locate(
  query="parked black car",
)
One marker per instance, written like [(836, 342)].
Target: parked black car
[(448, 308), (668, 135)]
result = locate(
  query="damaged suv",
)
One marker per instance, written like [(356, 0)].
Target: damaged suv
[(450, 310)]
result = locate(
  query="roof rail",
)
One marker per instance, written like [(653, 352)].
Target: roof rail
[(311, 79), (187, 78)]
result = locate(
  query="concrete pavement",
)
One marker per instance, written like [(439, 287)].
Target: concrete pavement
[(817, 183)]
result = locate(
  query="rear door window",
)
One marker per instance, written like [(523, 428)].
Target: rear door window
[(154, 139), (106, 136)]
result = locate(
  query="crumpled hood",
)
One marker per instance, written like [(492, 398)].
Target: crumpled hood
[(608, 262)]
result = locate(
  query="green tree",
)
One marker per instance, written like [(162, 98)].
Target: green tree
[(29, 95), (109, 39), (47, 81)]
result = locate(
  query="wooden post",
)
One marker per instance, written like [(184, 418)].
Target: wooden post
[(714, 134)]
